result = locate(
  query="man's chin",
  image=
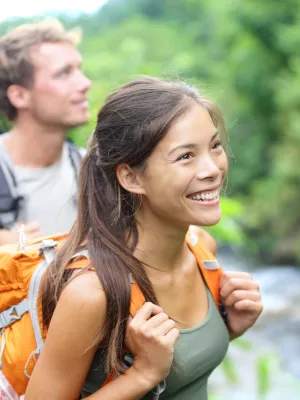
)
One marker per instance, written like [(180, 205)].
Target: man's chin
[(76, 124)]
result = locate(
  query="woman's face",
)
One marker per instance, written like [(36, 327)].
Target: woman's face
[(184, 174)]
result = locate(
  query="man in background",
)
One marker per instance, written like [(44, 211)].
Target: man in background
[(43, 91)]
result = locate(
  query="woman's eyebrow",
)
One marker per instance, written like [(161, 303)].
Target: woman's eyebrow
[(190, 146), (183, 146)]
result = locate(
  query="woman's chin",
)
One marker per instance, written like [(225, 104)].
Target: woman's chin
[(209, 220)]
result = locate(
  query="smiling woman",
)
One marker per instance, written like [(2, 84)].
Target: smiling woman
[(191, 164), (155, 166)]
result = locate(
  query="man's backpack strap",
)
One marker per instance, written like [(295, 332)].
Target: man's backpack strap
[(75, 158), (10, 199)]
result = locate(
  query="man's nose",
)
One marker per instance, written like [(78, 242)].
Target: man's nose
[(85, 83)]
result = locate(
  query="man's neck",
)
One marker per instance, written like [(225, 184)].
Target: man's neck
[(34, 145)]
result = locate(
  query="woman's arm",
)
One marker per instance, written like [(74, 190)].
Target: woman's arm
[(71, 343)]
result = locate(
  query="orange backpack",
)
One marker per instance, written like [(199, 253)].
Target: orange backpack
[(21, 326)]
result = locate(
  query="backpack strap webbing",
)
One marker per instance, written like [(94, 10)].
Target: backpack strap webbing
[(10, 199), (209, 266), (75, 158), (137, 297)]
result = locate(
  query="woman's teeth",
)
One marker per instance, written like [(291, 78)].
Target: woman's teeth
[(205, 196)]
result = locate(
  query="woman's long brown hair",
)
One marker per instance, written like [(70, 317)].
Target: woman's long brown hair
[(133, 120)]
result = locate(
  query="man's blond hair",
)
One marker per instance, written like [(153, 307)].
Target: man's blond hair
[(16, 67)]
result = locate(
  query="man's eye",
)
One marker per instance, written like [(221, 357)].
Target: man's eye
[(185, 156), (64, 72)]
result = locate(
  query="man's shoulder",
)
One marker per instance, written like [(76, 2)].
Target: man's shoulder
[(4, 155), (3, 136), (82, 151)]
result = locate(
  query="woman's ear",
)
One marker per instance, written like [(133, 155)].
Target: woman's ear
[(129, 179)]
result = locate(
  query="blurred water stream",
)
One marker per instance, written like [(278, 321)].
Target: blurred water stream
[(277, 333)]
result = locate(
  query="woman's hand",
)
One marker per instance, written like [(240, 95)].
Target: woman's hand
[(241, 297), (151, 337)]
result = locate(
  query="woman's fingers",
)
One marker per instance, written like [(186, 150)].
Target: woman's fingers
[(164, 327), (239, 295), (145, 312), (171, 336), (156, 321), (151, 325), (249, 305), (230, 283)]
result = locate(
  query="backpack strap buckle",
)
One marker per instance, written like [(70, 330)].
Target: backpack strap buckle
[(47, 249), (12, 314), (47, 244)]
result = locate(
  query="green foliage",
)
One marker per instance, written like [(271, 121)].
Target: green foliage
[(263, 375), (229, 368), (4, 125), (245, 55), (229, 230), (268, 378)]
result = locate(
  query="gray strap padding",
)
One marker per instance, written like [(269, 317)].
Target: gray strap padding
[(32, 301), (12, 314), (2, 346), (47, 248)]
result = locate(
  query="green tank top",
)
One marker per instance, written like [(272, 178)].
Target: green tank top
[(198, 351)]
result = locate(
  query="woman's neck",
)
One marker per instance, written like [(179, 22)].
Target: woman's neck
[(161, 247)]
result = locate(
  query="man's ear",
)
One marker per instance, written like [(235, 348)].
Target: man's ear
[(18, 96), (129, 179)]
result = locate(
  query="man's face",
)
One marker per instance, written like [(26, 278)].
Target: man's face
[(58, 96)]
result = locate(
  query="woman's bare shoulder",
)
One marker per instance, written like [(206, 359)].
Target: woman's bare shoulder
[(79, 315), (85, 290)]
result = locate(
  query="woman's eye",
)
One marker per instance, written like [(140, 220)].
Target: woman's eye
[(185, 156), (217, 145)]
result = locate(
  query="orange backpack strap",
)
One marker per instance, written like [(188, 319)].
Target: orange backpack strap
[(208, 264), (137, 298)]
